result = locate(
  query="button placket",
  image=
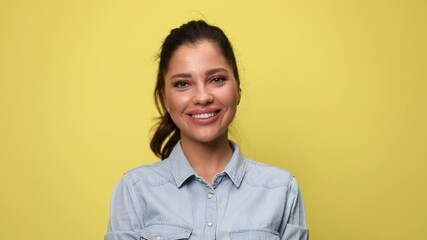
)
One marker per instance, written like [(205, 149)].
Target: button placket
[(210, 213), (210, 196)]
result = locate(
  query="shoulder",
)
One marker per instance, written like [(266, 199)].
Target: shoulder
[(155, 174), (264, 175)]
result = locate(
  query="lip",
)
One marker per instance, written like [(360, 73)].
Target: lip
[(204, 121)]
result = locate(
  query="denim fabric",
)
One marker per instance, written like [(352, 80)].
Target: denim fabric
[(168, 200)]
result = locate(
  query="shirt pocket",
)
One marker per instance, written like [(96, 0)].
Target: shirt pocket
[(254, 234), (295, 232), (166, 231)]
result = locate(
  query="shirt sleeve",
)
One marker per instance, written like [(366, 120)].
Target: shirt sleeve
[(294, 226), (124, 222)]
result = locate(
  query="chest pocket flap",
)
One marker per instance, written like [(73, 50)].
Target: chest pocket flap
[(254, 234), (166, 231)]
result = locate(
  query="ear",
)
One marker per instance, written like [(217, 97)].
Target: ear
[(166, 106), (165, 103), (240, 95)]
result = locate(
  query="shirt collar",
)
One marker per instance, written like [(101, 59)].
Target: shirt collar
[(236, 168), (182, 170)]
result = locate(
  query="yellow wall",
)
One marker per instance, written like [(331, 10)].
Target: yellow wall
[(335, 91)]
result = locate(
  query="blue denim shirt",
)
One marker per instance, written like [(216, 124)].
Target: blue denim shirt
[(168, 200)]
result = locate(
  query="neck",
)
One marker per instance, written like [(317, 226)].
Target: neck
[(207, 159)]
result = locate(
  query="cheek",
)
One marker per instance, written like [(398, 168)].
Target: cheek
[(175, 102), (233, 97), (173, 108), (171, 103)]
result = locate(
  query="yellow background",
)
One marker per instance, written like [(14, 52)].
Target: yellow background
[(334, 91)]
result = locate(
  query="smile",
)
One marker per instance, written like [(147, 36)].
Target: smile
[(204, 115)]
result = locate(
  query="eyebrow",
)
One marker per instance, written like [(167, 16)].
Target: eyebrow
[(181, 75), (215, 70), (208, 72)]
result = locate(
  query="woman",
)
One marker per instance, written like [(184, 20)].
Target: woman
[(204, 188)]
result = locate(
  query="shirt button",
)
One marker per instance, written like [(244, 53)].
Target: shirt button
[(210, 195), (210, 224)]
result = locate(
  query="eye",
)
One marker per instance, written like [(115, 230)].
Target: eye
[(181, 84), (218, 79)]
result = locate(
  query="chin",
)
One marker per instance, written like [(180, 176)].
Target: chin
[(208, 138)]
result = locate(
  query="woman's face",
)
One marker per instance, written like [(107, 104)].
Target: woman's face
[(201, 93)]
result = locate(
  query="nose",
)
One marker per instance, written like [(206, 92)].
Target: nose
[(202, 96)]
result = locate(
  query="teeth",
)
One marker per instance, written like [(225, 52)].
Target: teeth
[(204, 115)]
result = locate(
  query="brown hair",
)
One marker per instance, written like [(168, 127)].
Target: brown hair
[(166, 133)]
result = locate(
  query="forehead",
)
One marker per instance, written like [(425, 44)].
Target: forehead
[(199, 46)]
